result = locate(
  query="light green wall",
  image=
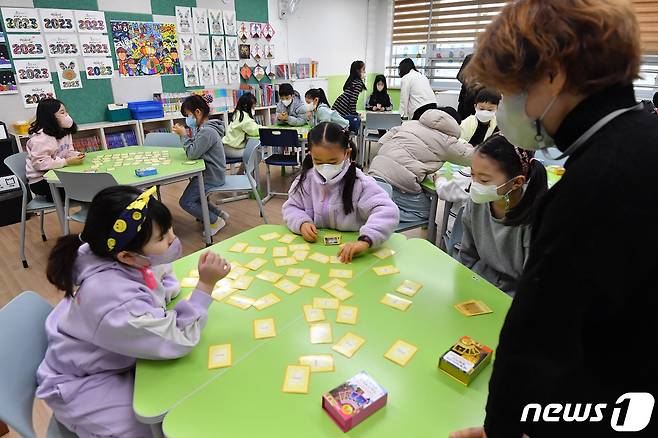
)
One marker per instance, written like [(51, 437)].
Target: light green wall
[(335, 89)]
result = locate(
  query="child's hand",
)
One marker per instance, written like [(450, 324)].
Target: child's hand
[(74, 161), (473, 432), (309, 115), (212, 268), (179, 130), (351, 250), (309, 232)]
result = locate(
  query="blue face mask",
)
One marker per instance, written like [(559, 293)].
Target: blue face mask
[(190, 121)]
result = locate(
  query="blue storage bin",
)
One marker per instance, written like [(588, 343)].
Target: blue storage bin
[(147, 109)]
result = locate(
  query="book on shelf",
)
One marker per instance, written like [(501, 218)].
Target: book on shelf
[(120, 139), (304, 69), (86, 144)]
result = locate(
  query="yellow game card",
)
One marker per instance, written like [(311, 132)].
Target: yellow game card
[(300, 256), (285, 261), (264, 328), (311, 314), (309, 280), (194, 273), (299, 247), (340, 273), (401, 352), (256, 264), (409, 288), (240, 301), (340, 292), (321, 333), (333, 284), (318, 363), (224, 284), (385, 270), (220, 294), (238, 247), (237, 272), (287, 238), (383, 253), (396, 302), (219, 356), (296, 379), (348, 344), (279, 251), (326, 303), (473, 308), (243, 282), (296, 272), (347, 314), (189, 282), (287, 286), (270, 236), (266, 301), (255, 250), (270, 276), (318, 257), (334, 260)]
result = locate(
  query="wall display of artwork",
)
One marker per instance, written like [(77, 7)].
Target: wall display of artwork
[(191, 74), (90, 22), (62, 45), (183, 19), (94, 45), (99, 68), (232, 50), (216, 21), (5, 61), (20, 20), (245, 51), (218, 50), (57, 20), (33, 93), (68, 73), (186, 47), (230, 25), (220, 73), (233, 72), (206, 73), (202, 44), (145, 48), (32, 70), (26, 46), (8, 82), (200, 20)]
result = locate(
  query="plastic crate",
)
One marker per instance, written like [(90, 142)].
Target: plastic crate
[(118, 115), (148, 109)]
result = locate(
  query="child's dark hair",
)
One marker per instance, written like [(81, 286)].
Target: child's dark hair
[(452, 112), (105, 208), (514, 162), (406, 65), (488, 95), (317, 93), (47, 121), (355, 73), (244, 106), (655, 99), (327, 132), (378, 79), (193, 103), (286, 90)]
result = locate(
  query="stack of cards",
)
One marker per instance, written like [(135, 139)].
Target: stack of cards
[(240, 301), (348, 344), (353, 401), (401, 352), (465, 359), (219, 356), (473, 308), (296, 379)]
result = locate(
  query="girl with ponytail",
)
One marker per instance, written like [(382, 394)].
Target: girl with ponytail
[(507, 186), (331, 192)]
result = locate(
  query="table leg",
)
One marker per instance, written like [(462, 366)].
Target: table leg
[(431, 226), (444, 224), (204, 210), (156, 430), (59, 206)]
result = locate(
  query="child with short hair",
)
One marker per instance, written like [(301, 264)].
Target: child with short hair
[(482, 125), (332, 193), (290, 110), (206, 144), (318, 110), (241, 126), (115, 311)]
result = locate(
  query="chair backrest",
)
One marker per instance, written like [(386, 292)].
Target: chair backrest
[(386, 186), (283, 137), (456, 234), (384, 121), (546, 156), (16, 163), (249, 157), (84, 186), (23, 345), (163, 140)]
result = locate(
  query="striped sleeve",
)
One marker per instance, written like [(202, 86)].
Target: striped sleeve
[(346, 102)]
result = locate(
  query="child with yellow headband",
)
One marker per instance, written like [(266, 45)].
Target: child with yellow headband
[(117, 285)]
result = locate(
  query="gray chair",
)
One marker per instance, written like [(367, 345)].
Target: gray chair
[(278, 140), (546, 157), (38, 204), (163, 140), (403, 226), (452, 239), (376, 121), (81, 187), (23, 345)]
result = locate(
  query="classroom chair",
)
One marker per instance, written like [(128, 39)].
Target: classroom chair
[(376, 121), (81, 187), (546, 157), (38, 204), (163, 140), (402, 226), (22, 347), (278, 140), (452, 239), (246, 182)]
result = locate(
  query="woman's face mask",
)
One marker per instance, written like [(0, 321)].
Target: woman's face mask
[(518, 128)]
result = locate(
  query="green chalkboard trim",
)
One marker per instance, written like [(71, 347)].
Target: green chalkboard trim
[(175, 84), (81, 5), (168, 7), (251, 10), (86, 104)]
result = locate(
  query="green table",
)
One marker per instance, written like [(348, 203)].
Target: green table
[(246, 399), (178, 170)]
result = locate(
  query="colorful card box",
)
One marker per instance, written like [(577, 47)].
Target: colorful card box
[(465, 360)]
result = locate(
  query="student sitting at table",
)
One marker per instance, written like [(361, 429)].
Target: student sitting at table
[(50, 145), (415, 150), (115, 311), (241, 126), (205, 144), (507, 186), (331, 192), (290, 110), (318, 110), (379, 100), (480, 126)]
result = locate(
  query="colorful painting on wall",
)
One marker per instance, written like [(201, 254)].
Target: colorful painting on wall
[(145, 49)]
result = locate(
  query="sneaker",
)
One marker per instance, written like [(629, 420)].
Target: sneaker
[(218, 225), (224, 215)]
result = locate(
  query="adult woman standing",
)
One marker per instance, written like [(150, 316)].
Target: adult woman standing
[(416, 94), (586, 299), (346, 102)]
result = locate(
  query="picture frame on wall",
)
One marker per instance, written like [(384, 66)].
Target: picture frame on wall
[(20, 20), (57, 20), (90, 22), (186, 47), (62, 45), (218, 48), (68, 73), (26, 46), (183, 19), (99, 68), (32, 70), (32, 94), (200, 20), (230, 25), (216, 21)]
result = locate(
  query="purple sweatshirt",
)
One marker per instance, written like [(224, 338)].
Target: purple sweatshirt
[(113, 320), (375, 215)]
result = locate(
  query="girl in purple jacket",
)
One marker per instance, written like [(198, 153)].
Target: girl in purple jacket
[(332, 193), (117, 280)]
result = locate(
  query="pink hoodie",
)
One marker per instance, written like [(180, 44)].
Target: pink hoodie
[(45, 152)]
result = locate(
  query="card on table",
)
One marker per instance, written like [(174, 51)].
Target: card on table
[(473, 308), (243, 282), (219, 356), (319, 257), (280, 251), (347, 314), (296, 272), (296, 379), (285, 261), (287, 238), (220, 293), (311, 314), (270, 276), (287, 286), (318, 363), (385, 270), (321, 333), (237, 272), (240, 301), (194, 273), (300, 256), (266, 301), (340, 273), (270, 236), (348, 344), (396, 302), (299, 247), (401, 352), (256, 264), (189, 282), (333, 284), (383, 253), (409, 288), (332, 239), (310, 280), (238, 247), (334, 260), (340, 292), (255, 250), (326, 303), (264, 328)]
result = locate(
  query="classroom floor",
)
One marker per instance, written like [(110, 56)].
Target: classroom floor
[(14, 279)]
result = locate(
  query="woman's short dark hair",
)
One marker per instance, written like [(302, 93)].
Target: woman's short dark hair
[(47, 121), (406, 65)]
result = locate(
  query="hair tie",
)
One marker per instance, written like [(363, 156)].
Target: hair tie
[(129, 222), (524, 158)]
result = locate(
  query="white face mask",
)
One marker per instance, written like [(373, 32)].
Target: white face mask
[(253, 112), (310, 106), (518, 128), (286, 102), (329, 171), (484, 116), (483, 193), (65, 121)]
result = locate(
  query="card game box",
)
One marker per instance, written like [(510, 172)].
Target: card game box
[(465, 359), (355, 400)]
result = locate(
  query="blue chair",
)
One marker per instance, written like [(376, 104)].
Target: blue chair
[(163, 140), (379, 122), (38, 204), (22, 347), (279, 140)]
